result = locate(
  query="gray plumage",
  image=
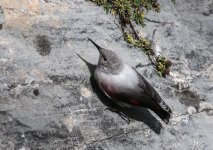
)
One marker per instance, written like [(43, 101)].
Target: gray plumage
[(125, 86)]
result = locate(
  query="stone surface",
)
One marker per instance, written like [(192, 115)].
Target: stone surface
[(191, 110), (48, 100)]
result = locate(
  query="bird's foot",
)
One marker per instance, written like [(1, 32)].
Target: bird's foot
[(122, 115)]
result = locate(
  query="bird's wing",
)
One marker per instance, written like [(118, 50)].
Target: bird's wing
[(116, 94), (143, 95), (152, 93), (126, 97)]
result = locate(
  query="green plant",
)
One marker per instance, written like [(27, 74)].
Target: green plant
[(135, 10)]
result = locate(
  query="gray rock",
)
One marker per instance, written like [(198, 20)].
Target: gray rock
[(205, 106), (48, 101), (191, 110)]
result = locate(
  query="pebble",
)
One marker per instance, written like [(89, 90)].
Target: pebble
[(191, 110)]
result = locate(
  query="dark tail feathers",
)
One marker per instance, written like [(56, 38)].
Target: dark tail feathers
[(164, 115)]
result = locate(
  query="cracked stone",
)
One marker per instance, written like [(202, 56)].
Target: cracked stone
[(205, 106)]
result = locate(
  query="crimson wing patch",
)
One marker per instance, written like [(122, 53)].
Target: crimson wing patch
[(113, 93)]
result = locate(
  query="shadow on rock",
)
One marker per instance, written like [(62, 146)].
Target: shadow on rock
[(136, 113)]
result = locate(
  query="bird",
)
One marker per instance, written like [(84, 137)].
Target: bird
[(125, 86)]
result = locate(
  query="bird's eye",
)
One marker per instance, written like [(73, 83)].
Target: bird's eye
[(104, 58)]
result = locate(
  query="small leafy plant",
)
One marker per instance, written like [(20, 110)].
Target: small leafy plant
[(135, 10)]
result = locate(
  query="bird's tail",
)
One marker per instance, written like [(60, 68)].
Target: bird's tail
[(164, 115)]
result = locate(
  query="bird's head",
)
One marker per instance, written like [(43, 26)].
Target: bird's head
[(108, 60)]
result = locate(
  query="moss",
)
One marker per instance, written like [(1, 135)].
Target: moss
[(135, 10)]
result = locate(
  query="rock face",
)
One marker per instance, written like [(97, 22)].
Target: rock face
[(48, 100)]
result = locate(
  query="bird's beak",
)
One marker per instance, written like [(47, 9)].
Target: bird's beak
[(96, 45)]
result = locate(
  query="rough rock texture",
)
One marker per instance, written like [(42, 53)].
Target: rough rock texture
[(48, 100)]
